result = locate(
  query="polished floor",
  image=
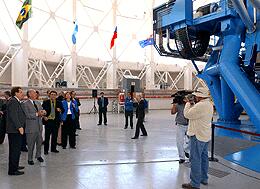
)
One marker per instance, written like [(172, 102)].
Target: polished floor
[(106, 158)]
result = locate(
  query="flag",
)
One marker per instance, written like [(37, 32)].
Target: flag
[(113, 38), (146, 42), (76, 29), (24, 14)]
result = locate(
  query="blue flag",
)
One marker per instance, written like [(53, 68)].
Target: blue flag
[(76, 29), (146, 42)]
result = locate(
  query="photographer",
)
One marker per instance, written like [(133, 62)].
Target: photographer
[(200, 115), (182, 126)]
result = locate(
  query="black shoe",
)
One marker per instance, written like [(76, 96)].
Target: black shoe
[(125, 127), (79, 128), (181, 161), (63, 147), (55, 151), (144, 135), (40, 159), (30, 162), (20, 168), (187, 155), (24, 150), (46, 153), (131, 127), (204, 183), (16, 173), (99, 124), (188, 186), (76, 135), (105, 124), (134, 138), (73, 147)]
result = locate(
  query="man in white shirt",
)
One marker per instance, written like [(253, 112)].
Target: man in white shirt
[(199, 130)]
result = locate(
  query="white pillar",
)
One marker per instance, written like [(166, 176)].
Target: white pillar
[(111, 72), (188, 78), (112, 75), (20, 62), (70, 70), (149, 75)]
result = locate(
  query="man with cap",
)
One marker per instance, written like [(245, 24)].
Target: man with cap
[(102, 108), (199, 129)]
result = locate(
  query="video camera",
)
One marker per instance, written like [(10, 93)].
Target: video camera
[(179, 96)]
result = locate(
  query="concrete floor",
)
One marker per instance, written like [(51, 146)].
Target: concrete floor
[(106, 158)]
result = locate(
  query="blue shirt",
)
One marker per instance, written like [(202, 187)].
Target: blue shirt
[(129, 105)]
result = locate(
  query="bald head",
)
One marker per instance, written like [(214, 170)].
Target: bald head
[(31, 94)]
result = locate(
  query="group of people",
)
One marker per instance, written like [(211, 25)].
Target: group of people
[(193, 119), (25, 119), (60, 116), (139, 103)]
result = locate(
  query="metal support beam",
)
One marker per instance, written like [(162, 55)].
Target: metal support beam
[(8, 58), (58, 70)]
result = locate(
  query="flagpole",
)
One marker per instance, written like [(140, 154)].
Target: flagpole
[(150, 84), (112, 70), (70, 68), (21, 61)]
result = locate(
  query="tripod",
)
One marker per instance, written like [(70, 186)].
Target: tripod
[(94, 108)]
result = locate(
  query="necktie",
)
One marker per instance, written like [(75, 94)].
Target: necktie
[(103, 102), (35, 106), (52, 113)]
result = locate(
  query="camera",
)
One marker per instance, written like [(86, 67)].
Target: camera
[(178, 97), (191, 98)]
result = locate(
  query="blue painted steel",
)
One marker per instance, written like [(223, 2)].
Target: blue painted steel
[(237, 80), (174, 15), (248, 158), (242, 11), (228, 73)]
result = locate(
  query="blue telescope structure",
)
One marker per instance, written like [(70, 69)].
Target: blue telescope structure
[(232, 71)]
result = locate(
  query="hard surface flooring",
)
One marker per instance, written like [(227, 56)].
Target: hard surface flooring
[(107, 158)]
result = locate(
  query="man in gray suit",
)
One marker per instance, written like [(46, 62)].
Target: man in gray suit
[(34, 113), (15, 122)]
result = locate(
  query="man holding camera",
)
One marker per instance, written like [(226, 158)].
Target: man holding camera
[(182, 126), (200, 115)]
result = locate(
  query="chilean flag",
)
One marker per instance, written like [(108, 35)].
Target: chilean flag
[(113, 38)]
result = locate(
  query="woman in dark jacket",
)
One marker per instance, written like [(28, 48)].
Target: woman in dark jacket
[(68, 121), (140, 117)]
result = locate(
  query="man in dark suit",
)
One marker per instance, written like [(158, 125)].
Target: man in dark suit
[(140, 117), (51, 121), (3, 107), (102, 108), (34, 113), (77, 114), (15, 129)]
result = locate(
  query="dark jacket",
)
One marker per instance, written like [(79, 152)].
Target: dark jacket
[(105, 103), (3, 117), (140, 110), (15, 116), (46, 105)]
